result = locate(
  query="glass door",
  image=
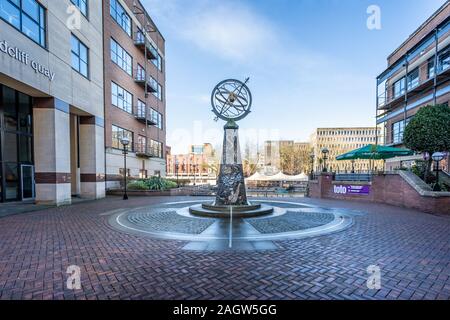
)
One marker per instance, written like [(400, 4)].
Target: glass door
[(27, 174)]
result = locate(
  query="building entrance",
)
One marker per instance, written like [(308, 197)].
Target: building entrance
[(16, 146)]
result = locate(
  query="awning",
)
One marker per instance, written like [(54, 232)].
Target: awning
[(374, 152)]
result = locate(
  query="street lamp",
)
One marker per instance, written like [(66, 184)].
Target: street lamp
[(325, 153), (438, 157), (125, 142), (177, 165), (195, 172), (312, 157)]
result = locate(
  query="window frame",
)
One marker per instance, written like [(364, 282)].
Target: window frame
[(41, 25), (130, 111), (122, 59), (397, 137), (413, 82), (77, 3), (402, 90), (121, 130), (115, 18), (78, 55)]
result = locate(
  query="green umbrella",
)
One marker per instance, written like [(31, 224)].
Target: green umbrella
[(374, 152)]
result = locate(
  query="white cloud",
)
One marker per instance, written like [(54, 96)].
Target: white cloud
[(230, 30)]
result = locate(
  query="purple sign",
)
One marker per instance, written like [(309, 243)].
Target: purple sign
[(351, 189)]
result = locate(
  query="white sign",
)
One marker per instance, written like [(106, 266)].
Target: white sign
[(25, 58)]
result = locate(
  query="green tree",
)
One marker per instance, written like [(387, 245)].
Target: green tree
[(429, 131)]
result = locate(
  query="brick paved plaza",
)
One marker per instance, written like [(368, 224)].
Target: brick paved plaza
[(411, 248)]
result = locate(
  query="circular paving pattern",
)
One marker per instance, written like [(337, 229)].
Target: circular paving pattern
[(174, 221)]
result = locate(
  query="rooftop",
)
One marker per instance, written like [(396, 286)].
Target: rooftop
[(420, 28)]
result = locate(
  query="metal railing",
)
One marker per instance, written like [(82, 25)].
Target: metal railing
[(140, 40), (389, 95)]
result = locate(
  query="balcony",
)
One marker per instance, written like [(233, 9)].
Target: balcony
[(144, 45), (142, 115), (142, 151), (388, 100), (146, 152), (148, 83)]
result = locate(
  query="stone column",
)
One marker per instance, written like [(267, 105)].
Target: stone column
[(51, 126), (92, 157), (231, 183)]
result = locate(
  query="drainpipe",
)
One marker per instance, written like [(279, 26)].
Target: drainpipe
[(436, 61), (406, 90), (376, 114)]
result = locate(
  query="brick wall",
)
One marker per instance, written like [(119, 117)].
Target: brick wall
[(390, 189)]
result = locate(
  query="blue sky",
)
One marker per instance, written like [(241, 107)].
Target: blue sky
[(312, 63)]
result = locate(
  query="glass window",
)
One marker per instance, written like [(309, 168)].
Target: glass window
[(156, 149), (158, 62), (82, 6), (141, 145), (25, 114), (80, 56), (28, 16), (444, 60), (10, 13), (121, 98), (9, 109), (120, 57), (157, 118), (120, 16), (431, 68), (413, 79), (158, 93), (141, 109), (118, 134), (10, 147), (11, 181), (140, 74), (25, 148), (397, 130), (31, 8), (399, 88)]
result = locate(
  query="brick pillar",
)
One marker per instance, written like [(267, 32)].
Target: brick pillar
[(325, 184), (51, 127), (92, 158)]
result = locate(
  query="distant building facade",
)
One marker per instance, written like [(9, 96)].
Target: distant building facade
[(286, 155), (339, 141), (198, 166)]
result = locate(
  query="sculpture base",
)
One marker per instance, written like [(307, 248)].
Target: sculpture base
[(220, 211)]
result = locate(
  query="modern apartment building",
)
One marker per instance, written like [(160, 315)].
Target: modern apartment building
[(199, 166), (134, 84), (339, 141), (418, 74), (51, 100)]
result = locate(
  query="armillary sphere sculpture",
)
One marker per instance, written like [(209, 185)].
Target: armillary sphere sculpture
[(231, 101)]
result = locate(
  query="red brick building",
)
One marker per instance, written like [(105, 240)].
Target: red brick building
[(418, 74), (134, 81), (199, 166)]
